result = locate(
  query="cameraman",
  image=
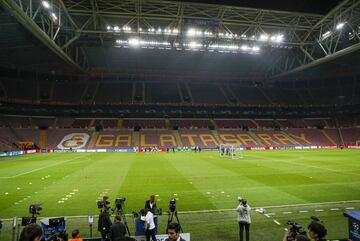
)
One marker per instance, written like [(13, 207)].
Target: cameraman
[(317, 231), (31, 232), (298, 237), (104, 223), (244, 218)]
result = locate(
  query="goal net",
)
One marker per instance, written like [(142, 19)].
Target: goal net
[(231, 151)]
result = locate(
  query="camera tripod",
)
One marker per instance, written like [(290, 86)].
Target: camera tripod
[(171, 215), (121, 213)]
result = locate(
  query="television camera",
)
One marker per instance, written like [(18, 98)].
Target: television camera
[(103, 203), (173, 212), (34, 210), (294, 230)]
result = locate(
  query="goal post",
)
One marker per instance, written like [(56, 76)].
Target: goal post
[(231, 151)]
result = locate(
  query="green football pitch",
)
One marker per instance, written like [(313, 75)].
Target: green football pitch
[(289, 184)]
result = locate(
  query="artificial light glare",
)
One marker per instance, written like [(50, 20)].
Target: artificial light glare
[(327, 34), (53, 15), (264, 37), (134, 42), (244, 47), (340, 26), (256, 49), (279, 38), (45, 4), (191, 32), (194, 45)]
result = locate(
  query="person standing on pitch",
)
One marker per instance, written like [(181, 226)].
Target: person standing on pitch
[(151, 204), (244, 218), (149, 224)]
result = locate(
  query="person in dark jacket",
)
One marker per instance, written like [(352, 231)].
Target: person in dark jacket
[(104, 223), (117, 230), (173, 232)]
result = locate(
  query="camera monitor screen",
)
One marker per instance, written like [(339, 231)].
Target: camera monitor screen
[(27, 220), (56, 222)]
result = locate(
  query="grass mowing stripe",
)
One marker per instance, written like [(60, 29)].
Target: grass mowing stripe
[(247, 182), (41, 168), (305, 165)]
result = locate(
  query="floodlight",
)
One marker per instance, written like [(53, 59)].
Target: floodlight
[(243, 35), (194, 45), (199, 33), (264, 37), (327, 34), (175, 30), (116, 28), (244, 47), (191, 32), (134, 42), (256, 48), (53, 15), (140, 29), (340, 26), (126, 28), (108, 28), (279, 38), (45, 4), (159, 30)]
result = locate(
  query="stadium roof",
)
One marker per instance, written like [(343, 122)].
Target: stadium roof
[(305, 6), (83, 35)]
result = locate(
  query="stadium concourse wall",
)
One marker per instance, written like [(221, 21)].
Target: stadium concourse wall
[(87, 138)]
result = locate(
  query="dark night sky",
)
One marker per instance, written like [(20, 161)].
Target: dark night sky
[(307, 6)]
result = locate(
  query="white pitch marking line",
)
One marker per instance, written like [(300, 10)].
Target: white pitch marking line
[(334, 209), (349, 208), (275, 221), (41, 168), (303, 211), (271, 214), (267, 215), (287, 212), (319, 210)]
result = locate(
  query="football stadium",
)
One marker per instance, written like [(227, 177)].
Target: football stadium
[(185, 120)]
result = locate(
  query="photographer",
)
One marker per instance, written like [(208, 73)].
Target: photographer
[(297, 237), (31, 232), (104, 223), (317, 231), (244, 218)]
